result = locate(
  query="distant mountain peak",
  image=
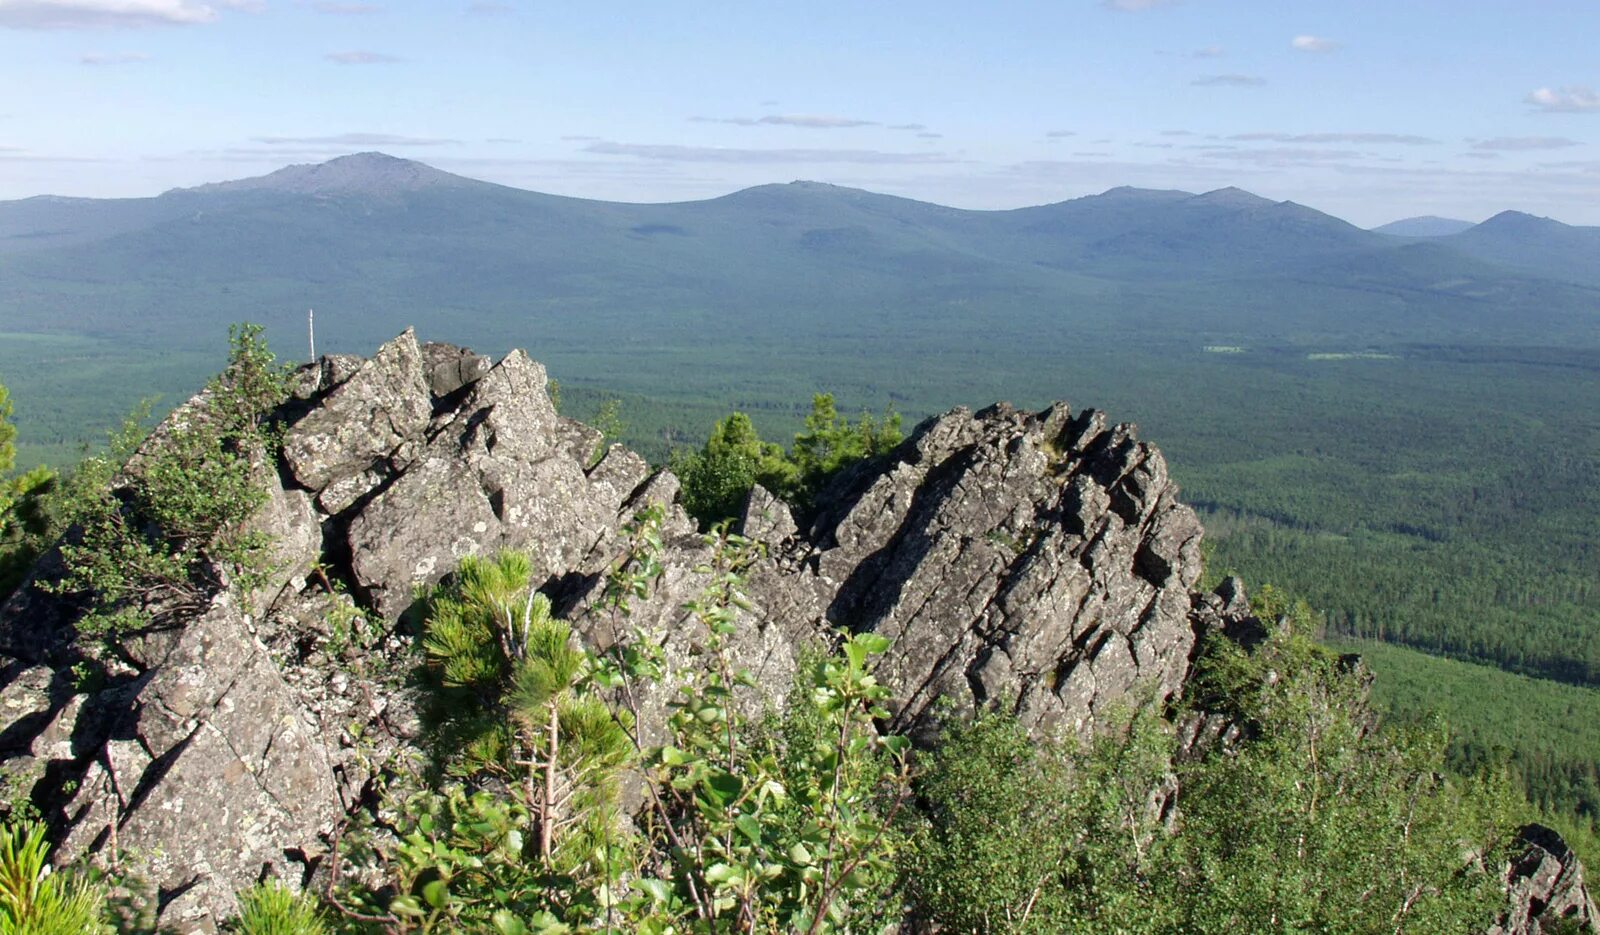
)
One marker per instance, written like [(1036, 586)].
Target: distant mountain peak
[(1520, 220), (1427, 225), (367, 173), (1233, 197)]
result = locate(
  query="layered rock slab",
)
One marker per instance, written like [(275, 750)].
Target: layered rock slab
[(1037, 562)]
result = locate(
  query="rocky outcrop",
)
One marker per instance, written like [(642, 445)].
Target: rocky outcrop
[(1036, 562), (1548, 894), (230, 748), (1040, 562)]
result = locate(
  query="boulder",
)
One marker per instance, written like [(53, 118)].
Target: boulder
[(362, 419)]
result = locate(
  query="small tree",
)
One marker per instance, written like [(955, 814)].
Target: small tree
[(717, 478), (539, 725)]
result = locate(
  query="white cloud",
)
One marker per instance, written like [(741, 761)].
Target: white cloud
[(808, 121), (1403, 139), (1313, 44), (1520, 144), (1060, 134), (362, 57), (355, 139), (112, 58), (1285, 156), (1572, 99), (336, 8), (1210, 51), (1229, 81), (103, 14), (717, 154)]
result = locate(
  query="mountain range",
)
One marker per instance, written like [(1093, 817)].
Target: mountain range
[(368, 233)]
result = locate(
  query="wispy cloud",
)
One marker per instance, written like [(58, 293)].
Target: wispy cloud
[(674, 153), (1402, 139), (907, 126), (808, 121), (362, 57), (1314, 44), (1571, 99), (355, 139), (580, 139), (103, 14), (112, 58), (1210, 51), (1519, 144), (930, 136), (1284, 156), (1229, 81), (1177, 133), (22, 155), (1060, 134)]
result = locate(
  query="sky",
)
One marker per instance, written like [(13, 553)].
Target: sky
[(1371, 110)]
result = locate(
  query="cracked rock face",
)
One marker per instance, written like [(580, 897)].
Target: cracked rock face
[(1040, 563), (1548, 894)]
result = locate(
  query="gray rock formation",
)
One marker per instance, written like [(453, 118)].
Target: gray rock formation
[(1548, 894), (1038, 562)]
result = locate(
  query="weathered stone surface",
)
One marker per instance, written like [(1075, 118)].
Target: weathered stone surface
[(494, 476), (1036, 562), (217, 775), (290, 519), (362, 419), (1548, 893), (449, 368)]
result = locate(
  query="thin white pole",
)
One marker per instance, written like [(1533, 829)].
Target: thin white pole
[(311, 332)]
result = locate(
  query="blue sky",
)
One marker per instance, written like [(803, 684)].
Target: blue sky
[(1369, 109)]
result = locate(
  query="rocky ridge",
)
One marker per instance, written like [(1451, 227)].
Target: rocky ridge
[(1038, 562)]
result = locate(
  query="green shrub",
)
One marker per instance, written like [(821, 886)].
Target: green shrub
[(271, 909), (787, 825), (26, 519), (1318, 822), (716, 479), (159, 526)]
